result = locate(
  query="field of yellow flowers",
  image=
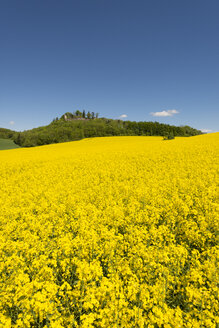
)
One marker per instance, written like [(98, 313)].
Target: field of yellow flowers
[(110, 232)]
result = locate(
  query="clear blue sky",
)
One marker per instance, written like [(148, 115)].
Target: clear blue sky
[(152, 60)]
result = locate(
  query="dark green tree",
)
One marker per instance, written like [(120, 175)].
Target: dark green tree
[(78, 113)]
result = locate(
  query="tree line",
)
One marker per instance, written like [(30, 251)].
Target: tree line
[(79, 125), (78, 115), (6, 133)]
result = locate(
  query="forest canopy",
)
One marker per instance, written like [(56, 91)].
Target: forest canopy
[(79, 125)]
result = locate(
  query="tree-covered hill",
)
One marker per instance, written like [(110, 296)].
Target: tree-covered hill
[(79, 125), (6, 133)]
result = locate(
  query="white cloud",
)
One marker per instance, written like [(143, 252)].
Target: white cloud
[(169, 112), (123, 116), (206, 130), (11, 122)]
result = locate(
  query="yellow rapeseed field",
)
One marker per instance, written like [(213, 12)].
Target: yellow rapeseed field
[(110, 232)]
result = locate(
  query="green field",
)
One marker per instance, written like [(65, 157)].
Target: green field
[(7, 144)]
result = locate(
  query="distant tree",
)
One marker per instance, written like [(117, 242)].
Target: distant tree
[(67, 116), (97, 114), (84, 114), (92, 115), (88, 115), (17, 139), (78, 113), (168, 136)]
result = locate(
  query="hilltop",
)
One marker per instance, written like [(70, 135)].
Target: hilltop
[(79, 125)]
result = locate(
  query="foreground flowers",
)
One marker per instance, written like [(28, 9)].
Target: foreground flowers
[(110, 232)]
